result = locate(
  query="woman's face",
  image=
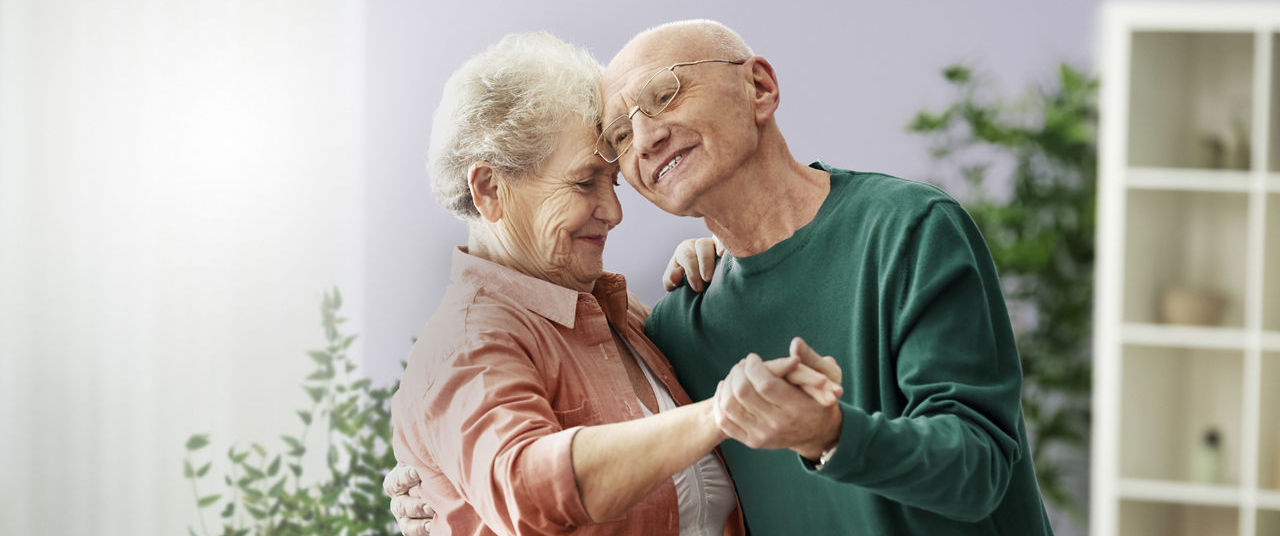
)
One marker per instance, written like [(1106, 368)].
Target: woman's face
[(556, 221)]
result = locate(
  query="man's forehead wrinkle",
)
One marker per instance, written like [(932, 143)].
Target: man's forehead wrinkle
[(625, 87), (644, 55)]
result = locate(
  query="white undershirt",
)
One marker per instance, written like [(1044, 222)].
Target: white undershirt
[(703, 490)]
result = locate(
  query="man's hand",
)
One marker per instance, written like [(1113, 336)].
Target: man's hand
[(695, 257), (413, 514), (758, 405)]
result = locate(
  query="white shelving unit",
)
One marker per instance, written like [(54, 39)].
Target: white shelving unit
[(1189, 204)]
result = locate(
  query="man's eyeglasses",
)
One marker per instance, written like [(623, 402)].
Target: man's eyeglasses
[(654, 96)]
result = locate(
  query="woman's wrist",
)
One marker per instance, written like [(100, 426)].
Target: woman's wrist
[(707, 421)]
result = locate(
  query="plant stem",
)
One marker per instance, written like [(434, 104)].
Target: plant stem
[(196, 494)]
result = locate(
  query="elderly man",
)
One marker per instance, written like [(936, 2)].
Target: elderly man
[(889, 276)]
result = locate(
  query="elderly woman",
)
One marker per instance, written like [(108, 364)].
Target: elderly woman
[(532, 402)]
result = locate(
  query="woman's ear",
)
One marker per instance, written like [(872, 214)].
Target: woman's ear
[(483, 181), (764, 95)]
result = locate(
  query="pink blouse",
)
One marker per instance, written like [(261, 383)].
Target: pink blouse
[(505, 372)]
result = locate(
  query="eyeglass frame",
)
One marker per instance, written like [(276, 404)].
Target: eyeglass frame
[(636, 108)]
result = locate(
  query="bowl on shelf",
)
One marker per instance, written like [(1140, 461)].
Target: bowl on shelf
[(1182, 305)]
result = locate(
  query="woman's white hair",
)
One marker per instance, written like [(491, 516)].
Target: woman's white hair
[(508, 106)]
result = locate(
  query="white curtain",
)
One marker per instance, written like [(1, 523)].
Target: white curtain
[(179, 183)]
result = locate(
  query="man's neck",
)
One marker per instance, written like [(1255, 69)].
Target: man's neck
[(766, 202)]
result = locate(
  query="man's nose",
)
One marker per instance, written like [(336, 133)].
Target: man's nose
[(648, 134)]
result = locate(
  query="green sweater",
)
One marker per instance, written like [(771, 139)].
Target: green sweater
[(893, 279)]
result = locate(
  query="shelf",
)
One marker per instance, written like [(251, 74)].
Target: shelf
[(1191, 99), (1187, 323), (1185, 243), (1206, 180), (1176, 336), (1273, 179), (1271, 341), (1269, 500), (1142, 518), (1166, 491), (1268, 523), (1170, 398)]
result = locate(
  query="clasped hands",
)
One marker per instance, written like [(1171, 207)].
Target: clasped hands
[(790, 402)]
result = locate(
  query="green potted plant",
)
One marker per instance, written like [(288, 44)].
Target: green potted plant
[(264, 490)]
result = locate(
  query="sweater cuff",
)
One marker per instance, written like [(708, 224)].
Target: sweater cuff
[(848, 458)]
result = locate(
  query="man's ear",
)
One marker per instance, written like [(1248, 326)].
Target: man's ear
[(483, 181), (764, 84)]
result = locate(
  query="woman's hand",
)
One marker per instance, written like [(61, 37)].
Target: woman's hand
[(413, 514), (695, 258)]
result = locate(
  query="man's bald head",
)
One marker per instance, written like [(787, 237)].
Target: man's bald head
[(696, 39), (716, 113)]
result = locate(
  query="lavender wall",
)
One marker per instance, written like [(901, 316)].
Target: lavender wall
[(851, 74)]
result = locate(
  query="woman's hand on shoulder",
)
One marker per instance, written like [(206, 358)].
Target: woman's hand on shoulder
[(694, 258)]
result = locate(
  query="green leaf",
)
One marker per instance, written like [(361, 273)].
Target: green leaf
[(957, 73), (274, 467), (204, 470), (346, 342), (295, 446), (187, 471), (197, 442), (297, 469), (253, 473), (321, 375), (321, 357), (316, 393), (305, 416), (229, 510), (208, 500), (331, 497), (262, 451), (277, 489)]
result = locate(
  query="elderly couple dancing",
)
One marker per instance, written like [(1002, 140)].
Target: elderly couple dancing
[(543, 398)]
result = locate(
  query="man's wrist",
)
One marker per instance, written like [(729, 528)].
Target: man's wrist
[(827, 444)]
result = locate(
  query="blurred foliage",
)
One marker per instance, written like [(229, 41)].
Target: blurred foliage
[(1044, 150), (264, 491)]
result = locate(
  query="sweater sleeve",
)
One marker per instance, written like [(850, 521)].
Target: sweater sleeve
[(952, 449)]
